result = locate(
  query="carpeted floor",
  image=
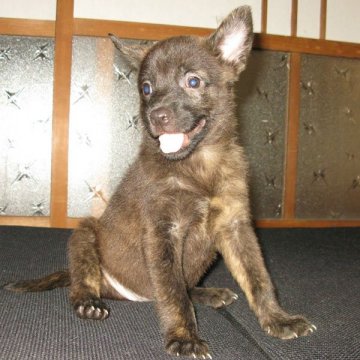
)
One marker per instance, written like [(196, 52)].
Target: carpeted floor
[(316, 272)]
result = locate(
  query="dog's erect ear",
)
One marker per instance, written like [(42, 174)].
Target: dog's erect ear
[(232, 41), (133, 54)]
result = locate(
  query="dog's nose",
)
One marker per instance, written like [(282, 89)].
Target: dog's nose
[(161, 117)]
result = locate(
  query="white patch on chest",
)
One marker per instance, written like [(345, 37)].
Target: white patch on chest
[(121, 289)]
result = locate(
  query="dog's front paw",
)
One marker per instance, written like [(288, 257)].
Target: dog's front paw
[(285, 326), (91, 308), (194, 347)]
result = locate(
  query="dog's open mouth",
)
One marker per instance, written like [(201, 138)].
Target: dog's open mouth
[(174, 142)]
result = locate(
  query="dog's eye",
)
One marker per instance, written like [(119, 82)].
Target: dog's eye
[(193, 82), (146, 89)]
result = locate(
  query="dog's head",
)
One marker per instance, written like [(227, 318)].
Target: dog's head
[(185, 83)]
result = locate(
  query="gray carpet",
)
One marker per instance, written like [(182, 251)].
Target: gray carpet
[(316, 272)]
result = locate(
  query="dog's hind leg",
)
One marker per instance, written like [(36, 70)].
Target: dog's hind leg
[(85, 272)]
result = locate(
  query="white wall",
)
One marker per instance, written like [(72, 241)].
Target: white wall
[(28, 9), (279, 17), (308, 22), (201, 13), (343, 21)]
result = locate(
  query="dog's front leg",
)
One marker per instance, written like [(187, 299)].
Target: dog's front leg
[(175, 309), (239, 246)]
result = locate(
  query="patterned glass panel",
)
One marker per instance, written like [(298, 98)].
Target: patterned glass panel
[(329, 153), (262, 94), (26, 88), (104, 128)]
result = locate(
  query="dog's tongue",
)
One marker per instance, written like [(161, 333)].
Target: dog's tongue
[(170, 143)]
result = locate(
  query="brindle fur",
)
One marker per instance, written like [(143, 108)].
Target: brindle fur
[(173, 213)]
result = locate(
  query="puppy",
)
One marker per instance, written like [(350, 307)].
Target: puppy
[(183, 201)]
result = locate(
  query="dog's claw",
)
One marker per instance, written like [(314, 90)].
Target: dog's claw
[(313, 327), (92, 309), (235, 296), (209, 356), (295, 335)]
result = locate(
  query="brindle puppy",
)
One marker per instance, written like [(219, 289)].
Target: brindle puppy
[(183, 201)]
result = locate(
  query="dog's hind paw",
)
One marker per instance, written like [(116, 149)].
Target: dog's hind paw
[(94, 309), (214, 297)]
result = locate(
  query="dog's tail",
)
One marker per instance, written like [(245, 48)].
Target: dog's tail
[(48, 282)]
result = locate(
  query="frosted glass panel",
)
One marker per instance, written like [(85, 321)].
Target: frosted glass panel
[(262, 94), (329, 157), (104, 127), (26, 87)]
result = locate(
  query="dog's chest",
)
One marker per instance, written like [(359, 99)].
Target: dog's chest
[(200, 189)]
